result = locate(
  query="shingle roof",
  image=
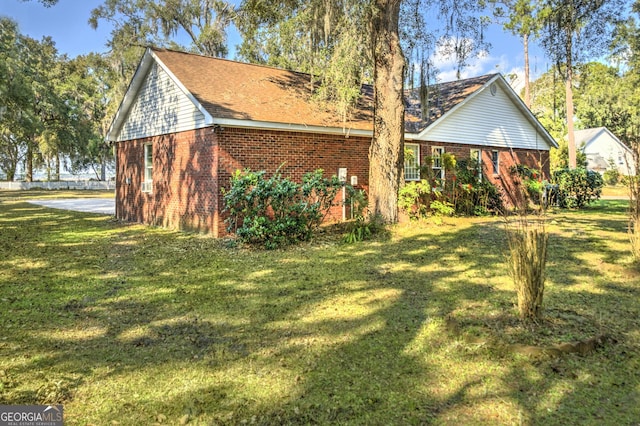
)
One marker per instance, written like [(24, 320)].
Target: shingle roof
[(584, 136), (235, 90)]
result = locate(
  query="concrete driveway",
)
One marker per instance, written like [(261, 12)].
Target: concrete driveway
[(87, 205)]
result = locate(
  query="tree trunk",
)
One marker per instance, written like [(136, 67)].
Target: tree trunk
[(10, 170), (571, 138), (527, 86), (386, 156), (57, 162), (103, 168), (29, 162)]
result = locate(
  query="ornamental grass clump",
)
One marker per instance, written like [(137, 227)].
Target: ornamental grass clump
[(528, 242), (634, 205), (634, 216)]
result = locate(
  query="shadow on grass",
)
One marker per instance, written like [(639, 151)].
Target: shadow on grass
[(160, 325)]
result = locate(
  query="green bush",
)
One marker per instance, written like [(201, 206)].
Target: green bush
[(532, 184), (360, 228), (415, 197), (442, 208), (364, 228), (472, 193), (273, 211), (611, 177), (464, 192), (577, 187)]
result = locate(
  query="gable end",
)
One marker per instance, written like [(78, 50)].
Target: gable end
[(159, 107), (492, 116)]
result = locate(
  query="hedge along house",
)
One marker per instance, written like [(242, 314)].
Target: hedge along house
[(188, 122)]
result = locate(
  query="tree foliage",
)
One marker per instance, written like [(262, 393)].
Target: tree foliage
[(46, 3), (348, 43), (521, 18), (602, 98), (574, 31), (146, 22), (46, 111), (626, 50)]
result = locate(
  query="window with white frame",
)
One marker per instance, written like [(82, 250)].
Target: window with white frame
[(436, 166), (476, 161), (411, 161), (147, 183), (495, 161)]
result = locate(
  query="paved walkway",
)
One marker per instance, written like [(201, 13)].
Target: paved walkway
[(87, 205)]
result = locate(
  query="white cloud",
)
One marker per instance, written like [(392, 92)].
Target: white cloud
[(515, 77), (482, 63)]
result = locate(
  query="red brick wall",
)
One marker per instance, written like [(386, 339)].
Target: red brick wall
[(296, 153), (190, 168), (185, 184), (504, 180)]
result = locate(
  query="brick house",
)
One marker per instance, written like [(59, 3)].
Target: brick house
[(187, 122)]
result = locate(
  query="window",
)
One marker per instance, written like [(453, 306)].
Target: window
[(476, 162), (411, 162), (436, 155), (147, 183), (495, 161)]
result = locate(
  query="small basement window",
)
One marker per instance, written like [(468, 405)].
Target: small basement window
[(147, 183)]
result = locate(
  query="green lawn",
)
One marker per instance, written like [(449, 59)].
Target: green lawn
[(615, 191), (127, 324)]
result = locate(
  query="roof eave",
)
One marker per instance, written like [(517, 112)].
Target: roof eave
[(292, 127)]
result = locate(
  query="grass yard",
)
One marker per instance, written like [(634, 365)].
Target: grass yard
[(131, 325), (615, 191)]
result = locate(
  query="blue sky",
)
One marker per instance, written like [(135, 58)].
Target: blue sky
[(67, 24)]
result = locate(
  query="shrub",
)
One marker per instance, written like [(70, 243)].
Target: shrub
[(532, 184), (577, 187), (473, 194), (275, 211), (465, 192), (611, 177), (360, 228), (415, 197), (442, 208)]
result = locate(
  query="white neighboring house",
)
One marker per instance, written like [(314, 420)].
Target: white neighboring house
[(605, 151)]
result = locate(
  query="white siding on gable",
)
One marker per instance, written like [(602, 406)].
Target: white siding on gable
[(160, 107), (490, 120), (604, 152)]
